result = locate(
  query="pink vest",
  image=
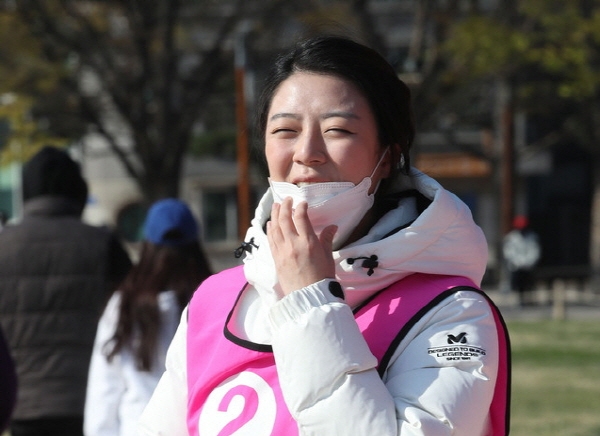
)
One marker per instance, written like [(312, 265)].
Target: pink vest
[(233, 384)]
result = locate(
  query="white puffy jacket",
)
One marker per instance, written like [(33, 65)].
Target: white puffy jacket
[(117, 391), (310, 328)]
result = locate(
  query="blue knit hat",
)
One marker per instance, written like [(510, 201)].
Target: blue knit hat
[(170, 222)]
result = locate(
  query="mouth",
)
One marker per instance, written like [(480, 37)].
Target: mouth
[(306, 182)]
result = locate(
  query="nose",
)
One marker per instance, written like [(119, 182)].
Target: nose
[(310, 148)]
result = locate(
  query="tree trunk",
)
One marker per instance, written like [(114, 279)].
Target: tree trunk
[(160, 182), (595, 226)]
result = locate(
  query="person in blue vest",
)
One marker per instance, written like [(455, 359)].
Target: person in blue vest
[(357, 310)]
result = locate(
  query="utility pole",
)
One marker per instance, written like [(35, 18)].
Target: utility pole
[(507, 158), (504, 171), (243, 185)]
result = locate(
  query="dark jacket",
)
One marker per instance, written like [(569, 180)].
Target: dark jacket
[(8, 384), (55, 275)]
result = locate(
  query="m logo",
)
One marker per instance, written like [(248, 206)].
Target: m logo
[(457, 350), (460, 339)]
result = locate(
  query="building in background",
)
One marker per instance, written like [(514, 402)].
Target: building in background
[(551, 183)]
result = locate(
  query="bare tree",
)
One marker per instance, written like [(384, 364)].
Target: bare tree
[(149, 67)]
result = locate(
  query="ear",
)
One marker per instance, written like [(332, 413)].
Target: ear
[(391, 159)]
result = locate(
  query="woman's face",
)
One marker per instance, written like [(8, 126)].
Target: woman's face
[(320, 128)]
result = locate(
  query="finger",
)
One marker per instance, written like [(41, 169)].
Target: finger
[(271, 239), (275, 212), (272, 227), (284, 218), (272, 224), (326, 237), (302, 221)]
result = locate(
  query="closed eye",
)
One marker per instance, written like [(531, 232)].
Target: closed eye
[(339, 131), (281, 130), (284, 133)]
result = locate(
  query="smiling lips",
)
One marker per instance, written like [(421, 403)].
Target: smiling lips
[(305, 182)]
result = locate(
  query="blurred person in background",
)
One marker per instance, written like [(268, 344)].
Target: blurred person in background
[(521, 250), (56, 274), (140, 320), (3, 219), (8, 384)]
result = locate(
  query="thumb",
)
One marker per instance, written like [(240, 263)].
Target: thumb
[(327, 235)]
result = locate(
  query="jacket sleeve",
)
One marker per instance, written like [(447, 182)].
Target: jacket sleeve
[(105, 385), (330, 383), (166, 412)]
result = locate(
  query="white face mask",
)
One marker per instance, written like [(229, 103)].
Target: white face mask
[(341, 203)]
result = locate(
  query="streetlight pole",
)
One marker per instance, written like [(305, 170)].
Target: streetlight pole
[(243, 185), (505, 136)]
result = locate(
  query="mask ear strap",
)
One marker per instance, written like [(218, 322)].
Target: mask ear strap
[(379, 162)]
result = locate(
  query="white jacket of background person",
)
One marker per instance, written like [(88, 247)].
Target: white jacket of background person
[(117, 391), (521, 249), (412, 398)]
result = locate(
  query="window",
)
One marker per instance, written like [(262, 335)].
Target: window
[(219, 215)]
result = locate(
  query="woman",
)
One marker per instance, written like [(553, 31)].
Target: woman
[(356, 311), (140, 320)]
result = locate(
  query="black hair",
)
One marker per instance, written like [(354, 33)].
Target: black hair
[(388, 96), (160, 268)]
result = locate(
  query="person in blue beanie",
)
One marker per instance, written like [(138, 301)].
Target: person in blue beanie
[(140, 320)]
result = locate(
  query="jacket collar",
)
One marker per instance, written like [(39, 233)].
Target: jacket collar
[(51, 205), (443, 239)]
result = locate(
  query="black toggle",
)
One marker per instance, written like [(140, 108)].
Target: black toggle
[(368, 262), (246, 246)]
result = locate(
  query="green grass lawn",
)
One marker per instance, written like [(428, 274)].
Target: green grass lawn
[(555, 378)]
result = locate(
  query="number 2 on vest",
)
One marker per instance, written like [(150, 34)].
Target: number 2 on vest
[(242, 405)]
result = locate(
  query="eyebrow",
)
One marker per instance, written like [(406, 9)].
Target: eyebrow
[(284, 115), (340, 114)]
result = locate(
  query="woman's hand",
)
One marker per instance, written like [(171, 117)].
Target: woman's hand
[(301, 256)]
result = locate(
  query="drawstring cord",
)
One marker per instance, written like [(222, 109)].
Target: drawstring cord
[(246, 246), (368, 262)]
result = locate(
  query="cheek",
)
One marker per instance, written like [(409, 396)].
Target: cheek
[(277, 160), (354, 167)]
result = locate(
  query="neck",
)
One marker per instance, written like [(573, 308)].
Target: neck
[(362, 228)]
